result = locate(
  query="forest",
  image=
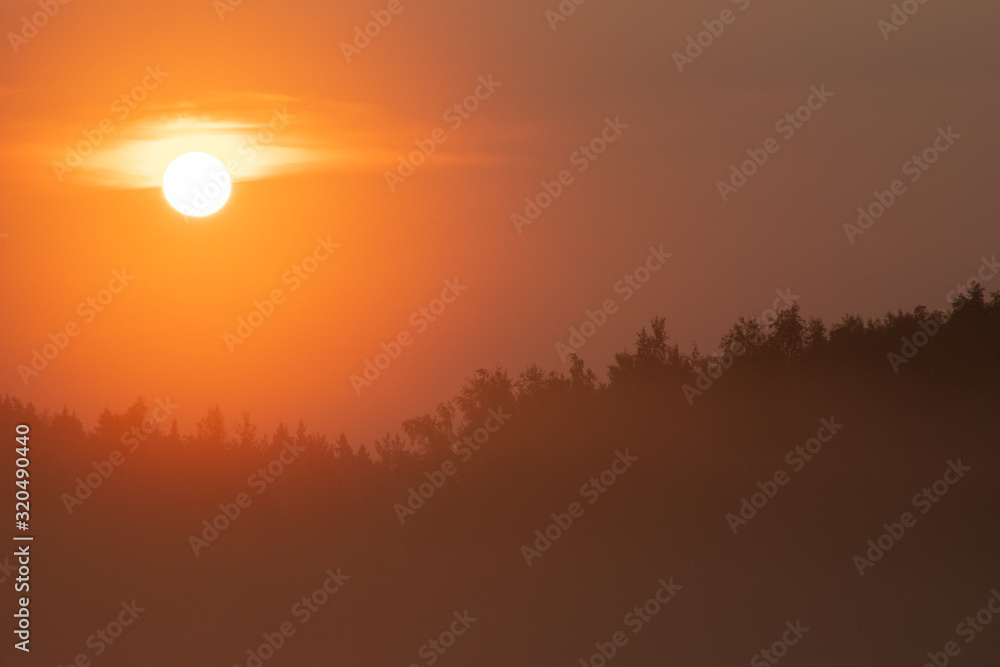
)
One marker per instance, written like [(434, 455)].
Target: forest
[(549, 506)]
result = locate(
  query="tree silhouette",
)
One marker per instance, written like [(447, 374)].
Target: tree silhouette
[(485, 391), (966, 340), (787, 336), (246, 433), (433, 435), (211, 429)]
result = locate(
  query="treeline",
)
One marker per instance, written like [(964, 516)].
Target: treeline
[(963, 342)]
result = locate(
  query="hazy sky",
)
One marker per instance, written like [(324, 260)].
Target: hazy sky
[(196, 76)]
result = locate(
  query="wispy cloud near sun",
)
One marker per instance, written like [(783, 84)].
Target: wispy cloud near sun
[(256, 135)]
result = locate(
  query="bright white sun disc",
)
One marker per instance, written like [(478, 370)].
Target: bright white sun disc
[(197, 184)]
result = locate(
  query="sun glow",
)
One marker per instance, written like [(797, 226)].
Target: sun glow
[(197, 184)]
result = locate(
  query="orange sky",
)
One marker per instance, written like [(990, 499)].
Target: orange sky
[(322, 176)]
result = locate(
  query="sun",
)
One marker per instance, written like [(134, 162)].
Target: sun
[(197, 184)]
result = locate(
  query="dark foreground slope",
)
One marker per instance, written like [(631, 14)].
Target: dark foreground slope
[(681, 462)]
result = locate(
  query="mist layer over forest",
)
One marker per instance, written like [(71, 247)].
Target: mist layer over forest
[(789, 495)]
